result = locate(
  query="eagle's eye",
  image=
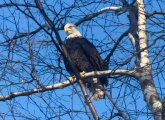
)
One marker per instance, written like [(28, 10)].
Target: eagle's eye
[(70, 27)]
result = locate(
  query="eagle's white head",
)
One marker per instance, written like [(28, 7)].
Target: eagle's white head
[(71, 30)]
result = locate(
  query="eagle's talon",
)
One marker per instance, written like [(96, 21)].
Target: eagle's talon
[(72, 78), (82, 73)]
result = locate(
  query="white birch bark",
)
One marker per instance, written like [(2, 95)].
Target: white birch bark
[(67, 83), (145, 78)]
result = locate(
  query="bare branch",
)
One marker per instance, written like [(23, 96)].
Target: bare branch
[(155, 13), (16, 4), (121, 113), (132, 73), (67, 83), (103, 10), (37, 90), (30, 33), (107, 59)]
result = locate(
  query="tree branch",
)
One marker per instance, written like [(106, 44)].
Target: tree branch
[(107, 59), (95, 14), (36, 90), (30, 33), (131, 73), (121, 113), (16, 4), (155, 13), (67, 83)]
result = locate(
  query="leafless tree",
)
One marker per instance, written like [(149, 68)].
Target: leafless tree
[(129, 35)]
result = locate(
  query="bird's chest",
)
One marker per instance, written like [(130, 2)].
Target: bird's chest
[(73, 47)]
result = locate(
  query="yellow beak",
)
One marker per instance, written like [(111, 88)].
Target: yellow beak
[(66, 29)]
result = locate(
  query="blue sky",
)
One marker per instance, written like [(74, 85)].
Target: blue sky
[(101, 31)]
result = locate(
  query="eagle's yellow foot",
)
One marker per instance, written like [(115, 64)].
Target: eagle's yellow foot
[(82, 73), (72, 78)]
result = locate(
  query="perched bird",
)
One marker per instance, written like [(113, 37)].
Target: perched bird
[(85, 58)]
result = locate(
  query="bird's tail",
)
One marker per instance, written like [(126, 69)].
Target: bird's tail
[(97, 89)]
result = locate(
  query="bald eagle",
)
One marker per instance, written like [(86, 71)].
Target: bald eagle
[(85, 57)]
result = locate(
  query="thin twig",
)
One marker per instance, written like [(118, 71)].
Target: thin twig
[(125, 117)]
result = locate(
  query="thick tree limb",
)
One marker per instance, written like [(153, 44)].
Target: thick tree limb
[(131, 73), (37, 90), (66, 83)]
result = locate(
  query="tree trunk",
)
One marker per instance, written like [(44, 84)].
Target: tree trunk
[(145, 74)]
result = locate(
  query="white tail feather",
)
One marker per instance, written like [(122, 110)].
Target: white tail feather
[(96, 89)]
